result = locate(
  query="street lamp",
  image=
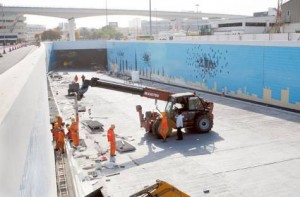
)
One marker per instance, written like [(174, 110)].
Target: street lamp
[(150, 17), (106, 12), (3, 30), (197, 5)]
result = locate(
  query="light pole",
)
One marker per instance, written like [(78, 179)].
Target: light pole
[(150, 17), (106, 12), (197, 5), (4, 43)]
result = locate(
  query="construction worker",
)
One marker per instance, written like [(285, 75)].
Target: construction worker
[(59, 121), (69, 133), (75, 78), (60, 142), (82, 78), (164, 126), (179, 124), (54, 131), (112, 140), (73, 131)]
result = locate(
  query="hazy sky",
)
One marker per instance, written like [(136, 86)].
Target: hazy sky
[(241, 7)]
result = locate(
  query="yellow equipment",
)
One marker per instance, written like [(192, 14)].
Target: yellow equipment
[(161, 188)]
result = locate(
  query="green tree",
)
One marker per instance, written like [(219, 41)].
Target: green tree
[(51, 35), (108, 32)]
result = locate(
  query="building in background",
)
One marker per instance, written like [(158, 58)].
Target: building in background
[(12, 27), (291, 16), (32, 30), (260, 22)]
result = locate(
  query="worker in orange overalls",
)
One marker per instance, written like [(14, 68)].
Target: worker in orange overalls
[(164, 126), (54, 131), (112, 140), (75, 78), (73, 131), (60, 143), (59, 121)]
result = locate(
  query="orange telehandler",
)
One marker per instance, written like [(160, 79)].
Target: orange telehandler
[(197, 112)]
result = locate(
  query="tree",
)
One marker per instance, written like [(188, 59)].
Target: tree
[(108, 32), (51, 35)]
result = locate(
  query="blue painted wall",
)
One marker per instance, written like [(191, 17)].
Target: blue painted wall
[(257, 73)]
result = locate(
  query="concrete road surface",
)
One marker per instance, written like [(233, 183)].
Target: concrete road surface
[(12, 58), (252, 150)]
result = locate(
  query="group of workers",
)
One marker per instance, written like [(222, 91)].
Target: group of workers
[(73, 135), (59, 136)]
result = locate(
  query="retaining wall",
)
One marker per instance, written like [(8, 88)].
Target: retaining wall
[(27, 166), (259, 71)]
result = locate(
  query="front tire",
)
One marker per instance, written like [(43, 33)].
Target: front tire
[(203, 124)]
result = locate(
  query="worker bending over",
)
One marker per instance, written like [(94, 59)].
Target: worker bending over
[(60, 143), (55, 127), (59, 137), (112, 140)]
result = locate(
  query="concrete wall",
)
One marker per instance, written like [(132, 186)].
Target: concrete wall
[(259, 71), (84, 44), (249, 37), (27, 162)]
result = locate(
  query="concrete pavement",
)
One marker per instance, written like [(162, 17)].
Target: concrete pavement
[(252, 150), (12, 58)]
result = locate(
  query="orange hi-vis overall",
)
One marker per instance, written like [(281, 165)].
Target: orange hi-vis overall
[(59, 121), (164, 127), (112, 140), (60, 143), (54, 133), (74, 133)]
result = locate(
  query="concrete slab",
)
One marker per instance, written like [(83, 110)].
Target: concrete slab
[(252, 150)]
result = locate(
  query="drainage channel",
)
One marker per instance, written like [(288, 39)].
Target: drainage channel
[(63, 174)]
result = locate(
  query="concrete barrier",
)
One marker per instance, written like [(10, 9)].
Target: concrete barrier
[(27, 166)]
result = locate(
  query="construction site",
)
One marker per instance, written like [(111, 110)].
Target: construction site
[(249, 145), (211, 115)]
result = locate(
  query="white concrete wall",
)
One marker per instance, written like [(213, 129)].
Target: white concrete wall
[(27, 165), (84, 44), (246, 37)]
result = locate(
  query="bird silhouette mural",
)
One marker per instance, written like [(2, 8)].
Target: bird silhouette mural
[(206, 62)]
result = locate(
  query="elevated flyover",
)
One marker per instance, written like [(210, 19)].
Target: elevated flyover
[(68, 13)]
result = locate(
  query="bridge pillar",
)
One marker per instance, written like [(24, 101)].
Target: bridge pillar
[(72, 29)]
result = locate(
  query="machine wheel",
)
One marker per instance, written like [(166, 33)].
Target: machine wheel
[(203, 124), (156, 127)]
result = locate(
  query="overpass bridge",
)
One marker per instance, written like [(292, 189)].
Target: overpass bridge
[(72, 13), (68, 13)]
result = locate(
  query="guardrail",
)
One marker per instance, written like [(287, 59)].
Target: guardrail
[(244, 37)]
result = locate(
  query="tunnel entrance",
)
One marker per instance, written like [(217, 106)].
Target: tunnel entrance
[(80, 59)]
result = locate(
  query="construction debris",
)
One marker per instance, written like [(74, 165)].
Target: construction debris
[(81, 109), (93, 126), (123, 146)]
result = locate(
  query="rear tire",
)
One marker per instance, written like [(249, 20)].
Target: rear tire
[(203, 124)]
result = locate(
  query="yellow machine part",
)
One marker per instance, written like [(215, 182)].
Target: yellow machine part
[(161, 188)]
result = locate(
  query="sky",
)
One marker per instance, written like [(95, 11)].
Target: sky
[(240, 7)]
